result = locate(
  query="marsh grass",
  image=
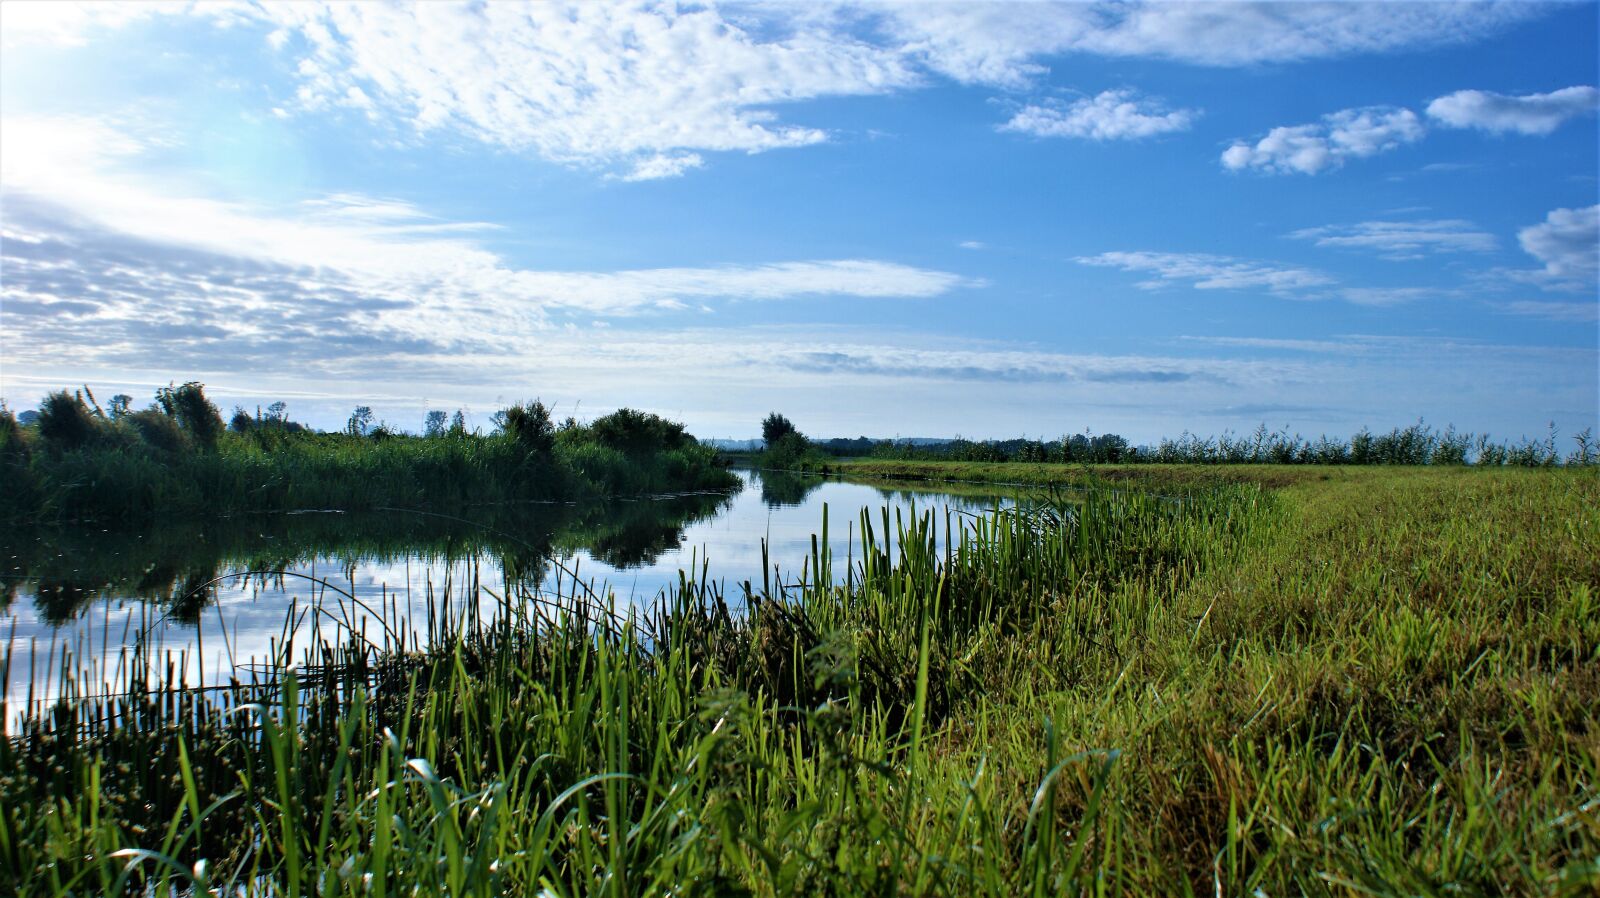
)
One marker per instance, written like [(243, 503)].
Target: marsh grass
[(1377, 684)]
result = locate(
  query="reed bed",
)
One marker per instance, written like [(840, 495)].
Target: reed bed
[(1376, 685)]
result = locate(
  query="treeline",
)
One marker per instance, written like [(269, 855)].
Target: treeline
[(76, 460), (1418, 444)]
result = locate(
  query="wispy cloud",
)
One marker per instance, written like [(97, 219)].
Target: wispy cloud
[(139, 263), (1403, 239), (1204, 271), (1328, 144), (1111, 115), (1209, 272), (1535, 114), (1553, 311)]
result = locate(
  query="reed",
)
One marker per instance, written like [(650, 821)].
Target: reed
[(1375, 685), (79, 464)]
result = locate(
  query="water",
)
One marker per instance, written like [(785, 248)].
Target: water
[(216, 595)]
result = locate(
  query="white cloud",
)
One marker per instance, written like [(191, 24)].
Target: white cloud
[(124, 247), (1498, 113), (973, 244), (1568, 243), (1342, 135), (664, 166), (641, 87), (1210, 272), (1000, 44), (1112, 115), (73, 24), (1387, 296), (1403, 239), (644, 90), (1554, 311)]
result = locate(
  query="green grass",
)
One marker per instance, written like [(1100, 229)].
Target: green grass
[(1378, 682)]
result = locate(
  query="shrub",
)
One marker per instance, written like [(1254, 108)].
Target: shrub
[(635, 432), (65, 421), (197, 414), (13, 444), (158, 430), (529, 426)]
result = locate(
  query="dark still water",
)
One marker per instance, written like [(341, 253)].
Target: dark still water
[(217, 595)]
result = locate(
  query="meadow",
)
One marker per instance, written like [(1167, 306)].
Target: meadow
[(1349, 681)]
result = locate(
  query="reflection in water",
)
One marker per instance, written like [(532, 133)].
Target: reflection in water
[(93, 590), (781, 488), (173, 565)]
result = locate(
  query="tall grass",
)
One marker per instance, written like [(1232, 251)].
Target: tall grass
[(1376, 685)]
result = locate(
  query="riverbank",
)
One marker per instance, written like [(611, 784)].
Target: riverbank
[(1378, 684), (145, 465), (1147, 476)]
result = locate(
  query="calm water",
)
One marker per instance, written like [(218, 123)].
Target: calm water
[(216, 595)]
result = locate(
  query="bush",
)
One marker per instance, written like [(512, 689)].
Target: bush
[(65, 421), (197, 414), (13, 444), (635, 432), (529, 426), (158, 430)]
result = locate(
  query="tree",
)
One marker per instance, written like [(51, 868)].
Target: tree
[(120, 404), (433, 423), (529, 425), (774, 428), (360, 421), (278, 412), (458, 424), (633, 431)]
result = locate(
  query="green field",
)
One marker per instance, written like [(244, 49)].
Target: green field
[(1326, 681)]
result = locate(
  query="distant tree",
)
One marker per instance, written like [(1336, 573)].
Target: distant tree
[(120, 404), (242, 421), (360, 421), (278, 412), (458, 423), (28, 417), (433, 423), (774, 428)]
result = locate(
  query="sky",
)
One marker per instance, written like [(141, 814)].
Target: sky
[(911, 219)]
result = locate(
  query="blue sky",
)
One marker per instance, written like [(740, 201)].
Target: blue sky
[(913, 219)]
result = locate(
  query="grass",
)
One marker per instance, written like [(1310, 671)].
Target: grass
[(1374, 683)]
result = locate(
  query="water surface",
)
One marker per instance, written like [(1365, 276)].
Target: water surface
[(216, 595)]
